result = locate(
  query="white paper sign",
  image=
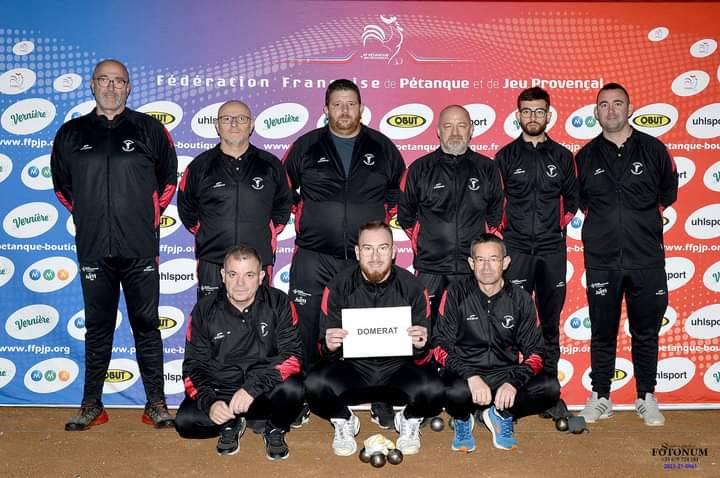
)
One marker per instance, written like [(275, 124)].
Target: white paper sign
[(377, 332)]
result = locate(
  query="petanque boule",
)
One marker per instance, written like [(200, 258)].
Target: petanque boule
[(394, 456), (378, 460), (364, 456), (437, 424)]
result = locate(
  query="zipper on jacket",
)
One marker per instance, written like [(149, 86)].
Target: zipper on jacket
[(457, 216), (108, 142)]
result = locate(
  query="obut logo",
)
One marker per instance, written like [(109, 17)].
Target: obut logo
[(656, 119), (712, 377), (679, 271), (711, 178), (173, 377), (668, 320), (203, 123), (690, 83), (669, 217), (622, 374), (582, 124), (30, 220), (76, 325), (67, 82), (397, 231), (281, 121), (80, 110), (169, 221), (674, 373), (704, 223), (577, 325), (565, 371), (282, 278), (704, 323), (482, 118), (168, 113), (511, 126), (704, 123), (36, 174), (16, 81), (32, 322), (6, 167), (7, 269), (177, 275), (711, 277), (51, 375), (28, 116), (289, 231), (171, 320), (7, 371), (364, 118), (406, 121), (50, 274), (685, 169), (121, 375)]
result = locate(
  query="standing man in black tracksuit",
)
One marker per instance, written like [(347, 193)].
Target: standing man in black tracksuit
[(115, 170), (541, 198), (485, 323), (343, 175), (450, 196), (233, 194), (626, 178), (340, 381), (242, 360)]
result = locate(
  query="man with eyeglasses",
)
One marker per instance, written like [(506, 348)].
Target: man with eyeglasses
[(409, 380), (541, 198), (627, 178), (233, 194), (115, 170), (489, 343)]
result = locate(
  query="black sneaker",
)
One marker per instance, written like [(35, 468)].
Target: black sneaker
[(157, 415), (230, 433), (303, 417), (275, 446), (91, 413), (383, 415)]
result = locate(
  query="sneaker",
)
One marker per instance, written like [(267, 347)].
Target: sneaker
[(90, 414), (501, 429), (345, 430), (409, 428), (559, 410), (463, 440), (303, 417), (275, 446), (230, 433), (157, 415), (647, 408), (596, 409), (382, 414)]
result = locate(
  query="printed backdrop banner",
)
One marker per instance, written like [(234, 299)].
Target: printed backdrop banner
[(410, 59)]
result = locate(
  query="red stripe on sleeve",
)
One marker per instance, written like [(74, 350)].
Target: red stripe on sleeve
[(324, 303), (167, 195), (440, 355), (535, 362), (443, 300), (64, 201), (289, 367), (190, 388), (295, 316), (188, 331)]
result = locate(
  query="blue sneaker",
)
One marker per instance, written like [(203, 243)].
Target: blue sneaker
[(463, 440), (501, 429)]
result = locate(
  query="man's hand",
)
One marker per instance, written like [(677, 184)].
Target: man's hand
[(419, 336), (479, 390), (240, 402), (334, 338), (220, 413), (505, 396)]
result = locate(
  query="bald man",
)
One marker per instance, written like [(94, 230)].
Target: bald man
[(233, 194), (449, 197)]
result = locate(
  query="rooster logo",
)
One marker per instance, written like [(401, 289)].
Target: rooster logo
[(391, 41)]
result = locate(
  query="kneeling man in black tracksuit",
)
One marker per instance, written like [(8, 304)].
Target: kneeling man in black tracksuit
[(242, 360), (484, 324)]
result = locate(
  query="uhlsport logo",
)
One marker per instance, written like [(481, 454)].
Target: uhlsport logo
[(674, 373), (397, 231), (7, 269), (703, 48), (711, 277), (289, 231), (168, 113), (574, 228), (122, 374), (364, 118), (7, 371), (30, 220), (282, 278), (177, 275), (704, 223), (282, 120), (482, 118), (711, 378), (705, 122), (669, 218), (383, 41), (711, 178), (511, 126), (658, 34), (704, 323), (24, 47), (80, 110), (169, 221), (685, 169), (690, 83), (173, 377), (679, 271), (667, 322), (577, 325), (67, 82), (6, 167), (171, 320), (656, 119), (203, 123), (76, 324), (36, 174), (406, 121), (621, 376), (50, 274), (565, 371), (16, 81), (582, 124), (28, 116), (32, 322), (51, 375)]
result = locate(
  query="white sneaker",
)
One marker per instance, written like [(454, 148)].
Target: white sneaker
[(648, 409), (409, 428), (345, 430), (596, 409)]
